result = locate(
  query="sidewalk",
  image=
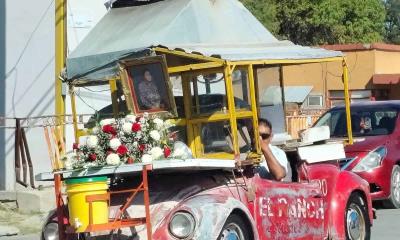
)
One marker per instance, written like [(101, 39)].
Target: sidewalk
[(22, 225)]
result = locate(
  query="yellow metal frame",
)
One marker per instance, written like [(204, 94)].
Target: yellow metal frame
[(60, 55), (347, 100), (212, 65)]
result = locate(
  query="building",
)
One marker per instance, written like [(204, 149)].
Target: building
[(27, 71), (373, 70)]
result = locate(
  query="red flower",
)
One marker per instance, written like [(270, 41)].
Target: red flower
[(142, 147), (109, 129), (92, 157), (136, 127), (122, 150), (75, 146), (129, 161), (167, 151)]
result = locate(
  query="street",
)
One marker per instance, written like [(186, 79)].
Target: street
[(386, 227)]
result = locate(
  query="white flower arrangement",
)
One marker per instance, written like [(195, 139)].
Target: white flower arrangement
[(127, 140)]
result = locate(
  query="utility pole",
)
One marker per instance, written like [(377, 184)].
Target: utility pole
[(60, 55)]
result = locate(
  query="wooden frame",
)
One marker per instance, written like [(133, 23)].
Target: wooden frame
[(131, 70)]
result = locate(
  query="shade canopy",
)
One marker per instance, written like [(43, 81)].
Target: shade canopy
[(219, 28)]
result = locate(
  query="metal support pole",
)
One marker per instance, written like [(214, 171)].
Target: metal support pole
[(60, 53), (231, 107), (73, 107), (347, 101), (254, 106)]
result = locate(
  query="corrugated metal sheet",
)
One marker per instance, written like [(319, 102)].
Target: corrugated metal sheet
[(223, 28)]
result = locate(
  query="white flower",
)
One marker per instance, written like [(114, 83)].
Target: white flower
[(113, 159), (135, 144), (68, 162), (115, 143), (146, 115), (158, 122), (156, 152), (92, 141), (142, 120), (146, 158), (155, 135), (107, 121), (127, 127), (130, 118), (95, 130)]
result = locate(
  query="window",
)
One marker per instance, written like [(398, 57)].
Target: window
[(315, 101), (208, 94)]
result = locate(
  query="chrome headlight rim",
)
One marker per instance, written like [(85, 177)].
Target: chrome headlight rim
[(189, 217), (50, 231), (378, 153)]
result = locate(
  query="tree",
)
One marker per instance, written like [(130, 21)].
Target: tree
[(392, 23), (265, 12), (315, 22)]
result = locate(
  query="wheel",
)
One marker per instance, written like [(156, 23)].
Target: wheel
[(235, 229), (394, 199), (357, 224)]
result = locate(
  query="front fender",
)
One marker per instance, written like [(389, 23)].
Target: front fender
[(346, 184), (210, 212)]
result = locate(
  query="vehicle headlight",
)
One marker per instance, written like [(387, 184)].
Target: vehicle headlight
[(182, 225), (372, 160), (50, 231)]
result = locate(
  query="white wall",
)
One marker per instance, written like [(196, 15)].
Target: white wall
[(27, 70)]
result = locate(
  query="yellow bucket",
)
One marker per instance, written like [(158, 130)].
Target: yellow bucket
[(77, 190)]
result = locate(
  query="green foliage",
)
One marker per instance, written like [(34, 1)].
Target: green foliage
[(265, 12), (392, 24), (313, 22)]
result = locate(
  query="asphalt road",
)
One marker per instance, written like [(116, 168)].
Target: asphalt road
[(386, 227)]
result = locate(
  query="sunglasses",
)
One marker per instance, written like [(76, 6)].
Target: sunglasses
[(265, 136)]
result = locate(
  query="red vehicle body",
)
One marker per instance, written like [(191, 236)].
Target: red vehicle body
[(326, 203), (379, 145)]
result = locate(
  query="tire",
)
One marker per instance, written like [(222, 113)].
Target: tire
[(235, 228), (356, 219), (394, 199)]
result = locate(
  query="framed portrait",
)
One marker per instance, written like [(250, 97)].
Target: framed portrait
[(147, 87)]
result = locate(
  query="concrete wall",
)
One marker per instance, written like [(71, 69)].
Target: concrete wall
[(328, 76), (387, 62), (27, 71)]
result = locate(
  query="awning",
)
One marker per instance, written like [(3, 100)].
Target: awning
[(219, 28), (297, 94), (386, 78)]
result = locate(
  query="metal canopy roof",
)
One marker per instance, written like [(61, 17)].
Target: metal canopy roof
[(221, 28)]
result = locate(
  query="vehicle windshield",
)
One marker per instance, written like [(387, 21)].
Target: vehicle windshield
[(365, 122)]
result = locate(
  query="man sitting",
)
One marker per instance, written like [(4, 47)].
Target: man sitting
[(274, 164)]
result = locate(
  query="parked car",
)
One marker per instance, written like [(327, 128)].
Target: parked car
[(375, 154)]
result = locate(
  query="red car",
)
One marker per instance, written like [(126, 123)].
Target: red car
[(212, 199), (375, 154)]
